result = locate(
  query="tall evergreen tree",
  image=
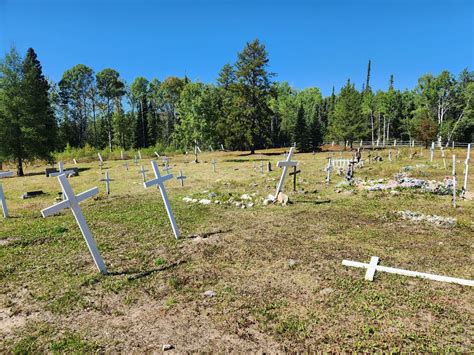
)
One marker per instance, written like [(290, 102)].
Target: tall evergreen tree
[(300, 133), (367, 81), (139, 91), (347, 123), (253, 91), (27, 123)]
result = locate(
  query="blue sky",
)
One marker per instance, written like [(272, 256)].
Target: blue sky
[(310, 43)]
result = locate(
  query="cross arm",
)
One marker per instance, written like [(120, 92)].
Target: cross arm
[(86, 194), (55, 208), (286, 163)]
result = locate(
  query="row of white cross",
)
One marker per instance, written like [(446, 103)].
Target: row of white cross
[(70, 200)]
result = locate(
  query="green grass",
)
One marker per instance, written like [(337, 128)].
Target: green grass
[(56, 301)]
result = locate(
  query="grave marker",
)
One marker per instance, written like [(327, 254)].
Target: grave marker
[(294, 177), (72, 201), (62, 171), (432, 151), (139, 155), (157, 155), (213, 162), (2, 195), (285, 164), (181, 177), (454, 180), (159, 180), (196, 150), (143, 172), (135, 160), (373, 266), (442, 156), (328, 170), (107, 181), (75, 161), (126, 165)]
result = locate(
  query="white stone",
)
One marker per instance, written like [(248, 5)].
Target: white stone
[(205, 201)]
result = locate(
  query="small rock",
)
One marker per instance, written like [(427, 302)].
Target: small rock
[(187, 199), (212, 195), (245, 197), (291, 262), (205, 201), (326, 291), (209, 293), (249, 205), (166, 347), (283, 199)]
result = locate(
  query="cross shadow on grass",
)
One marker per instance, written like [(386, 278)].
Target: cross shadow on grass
[(138, 274), (207, 234)]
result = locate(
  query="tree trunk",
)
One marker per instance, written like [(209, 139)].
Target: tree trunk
[(19, 167)]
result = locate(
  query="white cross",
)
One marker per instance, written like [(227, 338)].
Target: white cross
[(389, 155), (121, 154), (210, 148), (126, 165), (159, 182), (454, 180), (62, 171), (143, 171), (285, 164), (72, 202), (372, 267), (139, 155), (432, 151), (165, 160), (261, 166), (100, 158), (181, 177), (395, 143), (167, 168), (213, 162), (157, 155), (2, 195), (328, 170), (135, 160), (107, 182), (75, 161), (222, 147)]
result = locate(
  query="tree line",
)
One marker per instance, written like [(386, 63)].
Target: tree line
[(246, 109)]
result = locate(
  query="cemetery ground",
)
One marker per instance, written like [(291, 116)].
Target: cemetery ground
[(266, 277)]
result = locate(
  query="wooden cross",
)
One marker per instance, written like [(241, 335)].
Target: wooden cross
[(107, 181), (72, 201), (143, 172), (294, 177), (2, 195), (159, 180), (285, 164), (181, 177), (213, 162), (373, 266)]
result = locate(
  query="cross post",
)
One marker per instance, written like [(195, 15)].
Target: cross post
[(2, 195), (72, 201), (181, 177), (285, 164), (159, 180)]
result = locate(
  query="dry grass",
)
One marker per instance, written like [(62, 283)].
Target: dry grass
[(53, 299)]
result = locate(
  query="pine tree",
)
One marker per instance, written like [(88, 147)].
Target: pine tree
[(367, 81), (315, 129), (27, 125), (300, 133)]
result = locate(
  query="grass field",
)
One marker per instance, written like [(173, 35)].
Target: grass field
[(276, 271)]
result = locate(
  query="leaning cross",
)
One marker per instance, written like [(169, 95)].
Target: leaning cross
[(107, 180), (2, 195), (139, 155), (294, 177), (466, 167), (143, 171), (72, 201), (181, 177), (285, 164), (159, 180), (328, 170), (373, 266)]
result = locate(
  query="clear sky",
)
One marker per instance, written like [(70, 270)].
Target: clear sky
[(310, 43)]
